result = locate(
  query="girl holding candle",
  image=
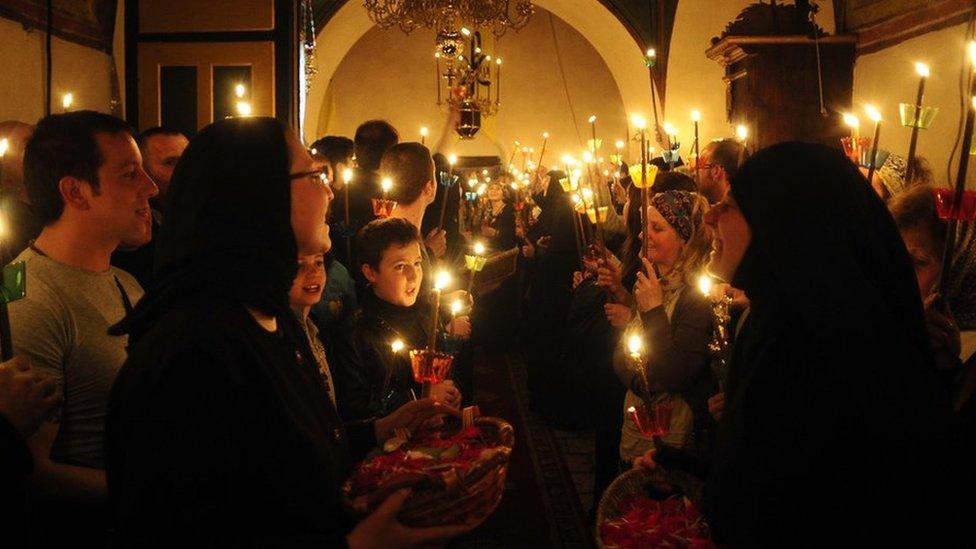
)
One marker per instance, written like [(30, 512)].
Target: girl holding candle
[(676, 323)]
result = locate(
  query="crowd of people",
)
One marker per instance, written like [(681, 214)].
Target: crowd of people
[(204, 349)]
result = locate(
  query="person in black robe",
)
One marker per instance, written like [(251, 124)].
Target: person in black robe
[(834, 426), (220, 431)]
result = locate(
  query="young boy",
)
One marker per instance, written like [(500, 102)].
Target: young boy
[(371, 378)]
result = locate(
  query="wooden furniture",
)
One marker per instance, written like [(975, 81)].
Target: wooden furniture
[(772, 86)]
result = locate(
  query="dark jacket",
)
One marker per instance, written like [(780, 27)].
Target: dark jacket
[(16, 465), (222, 430), (678, 359), (371, 380)]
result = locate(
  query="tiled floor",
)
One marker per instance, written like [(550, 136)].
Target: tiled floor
[(576, 448)]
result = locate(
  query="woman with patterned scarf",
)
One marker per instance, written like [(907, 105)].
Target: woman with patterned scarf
[(675, 321)]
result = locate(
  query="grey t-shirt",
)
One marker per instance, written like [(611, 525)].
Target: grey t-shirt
[(62, 325)]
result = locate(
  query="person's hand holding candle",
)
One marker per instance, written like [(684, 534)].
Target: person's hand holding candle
[(618, 314), (647, 291), (446, 393), (460, 327)]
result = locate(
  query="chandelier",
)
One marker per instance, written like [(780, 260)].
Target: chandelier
[(464, 69), (498, 15)]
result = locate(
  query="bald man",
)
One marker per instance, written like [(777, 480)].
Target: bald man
[(19, 223)]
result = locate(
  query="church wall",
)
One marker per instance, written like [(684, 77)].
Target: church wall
[(83, 71), (888, 77)]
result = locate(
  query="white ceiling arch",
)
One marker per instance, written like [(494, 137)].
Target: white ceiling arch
[(618, 49)]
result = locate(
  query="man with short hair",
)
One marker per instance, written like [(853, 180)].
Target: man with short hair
[(161, 149), (18, 222), (411, 169), (372, 139), (719, 161), (85, 178)]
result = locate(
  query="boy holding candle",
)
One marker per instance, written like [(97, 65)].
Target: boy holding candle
[(372, 378)]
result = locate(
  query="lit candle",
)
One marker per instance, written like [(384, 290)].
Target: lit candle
[(456, 307), (695, 118), (346, 180), (635, 348), (386, 185), (397, 345), (239, 91), (854, 123), (923, 73), (498, 80), (451, 161), (423, 135), (441, 281), (437, 75), (66, 101), (243, 108), (545, 141), (641, 124), (742, 132), (670, 132), (592, 121), (705, 285), (875, 115)]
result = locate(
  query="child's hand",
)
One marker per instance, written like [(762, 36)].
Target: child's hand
[(460, 326)]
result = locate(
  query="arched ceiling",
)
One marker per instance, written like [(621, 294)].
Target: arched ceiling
[(613, 28)]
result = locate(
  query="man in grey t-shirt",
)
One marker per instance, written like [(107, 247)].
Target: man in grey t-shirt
[(84, 177)]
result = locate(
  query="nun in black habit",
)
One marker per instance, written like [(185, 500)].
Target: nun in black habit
[(220, 431), (834, 428)]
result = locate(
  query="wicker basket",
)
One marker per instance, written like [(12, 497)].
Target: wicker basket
[(444, 497), (636, 481)]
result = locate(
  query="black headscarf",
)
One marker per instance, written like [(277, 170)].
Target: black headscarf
[(832, 391), (228, 234)]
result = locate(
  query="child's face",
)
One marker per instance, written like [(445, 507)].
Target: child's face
[(400, 272), (306, 289)]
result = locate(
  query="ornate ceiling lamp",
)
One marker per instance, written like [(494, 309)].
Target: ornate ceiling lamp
[(467, 69)]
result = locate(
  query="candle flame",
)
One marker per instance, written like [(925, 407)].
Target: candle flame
[(587, 157), (972, 52), (619, 144), (922, 69), (575, 199), (873, 113), (244, 108), (587, 194), (347, 175), (239, 91), (452, 160), (592, 118), (631, 410), (638, 121), (651, 53), (479, 248), (66, 100), (397, 345), (386, 184), (695, 116), (635, 344), (498, 60), (483, 188), (442, 280), (545, 135), (514, 186), (465, 31), (423, 131), (4, 145), (852, 120), (670, 129), (705, 285), (742, 132), (488, 58), (456, 306), (472, 182)]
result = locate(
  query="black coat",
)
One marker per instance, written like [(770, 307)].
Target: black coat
[(221, 431)]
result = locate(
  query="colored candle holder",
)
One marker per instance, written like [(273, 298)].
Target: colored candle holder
[(945, 204), (671, 157), (519, 206), (568, 185), (470, 196), (383, 207), (653, 420), (925, 117), (616, 158), (475, 262), (447, 180), (430, 366), (598, 215), (879, 158), (636, 175)]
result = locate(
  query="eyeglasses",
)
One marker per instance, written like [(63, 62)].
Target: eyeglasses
[(318, 176)]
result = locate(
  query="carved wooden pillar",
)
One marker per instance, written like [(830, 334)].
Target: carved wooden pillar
[(772, 86)]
